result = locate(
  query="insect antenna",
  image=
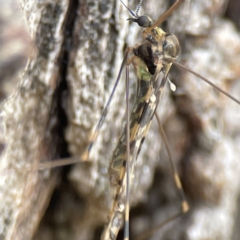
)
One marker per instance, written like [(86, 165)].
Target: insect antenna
[(135, 15), (143, 21), (138, 7)]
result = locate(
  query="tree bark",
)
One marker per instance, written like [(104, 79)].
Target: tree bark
[(77, 55)]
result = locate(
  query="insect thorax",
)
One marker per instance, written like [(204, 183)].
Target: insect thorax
[(159, 47)]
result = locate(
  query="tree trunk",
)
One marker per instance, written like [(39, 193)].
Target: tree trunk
[(78, 51)]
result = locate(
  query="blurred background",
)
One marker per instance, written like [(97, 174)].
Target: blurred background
[(15, 47)]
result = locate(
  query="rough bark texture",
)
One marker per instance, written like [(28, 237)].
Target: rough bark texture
[(78, 48)]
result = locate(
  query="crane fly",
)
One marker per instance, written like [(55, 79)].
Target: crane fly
[(152, 61), (149, 60)]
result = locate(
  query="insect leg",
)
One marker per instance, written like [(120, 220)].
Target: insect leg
[(122, 186), (185, 206), (93, 136), (207, 81), (85, 155), (150, 233), (127, 204), (57, 163)]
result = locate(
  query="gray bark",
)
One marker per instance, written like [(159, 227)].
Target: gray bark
[(78, 51)]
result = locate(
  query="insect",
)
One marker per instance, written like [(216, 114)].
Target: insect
[(192, 136), (192, 196), (150, 58)]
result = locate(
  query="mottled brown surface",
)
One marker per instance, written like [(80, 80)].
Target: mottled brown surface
[(75, 58)]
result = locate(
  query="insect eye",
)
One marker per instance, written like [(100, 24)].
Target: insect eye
[(171, 46), (143, 21)]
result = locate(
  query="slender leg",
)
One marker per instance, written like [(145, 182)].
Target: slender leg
[(85, 155), (93, 137), (185, 206), (207, 81), (118, 206), (127, 205)]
